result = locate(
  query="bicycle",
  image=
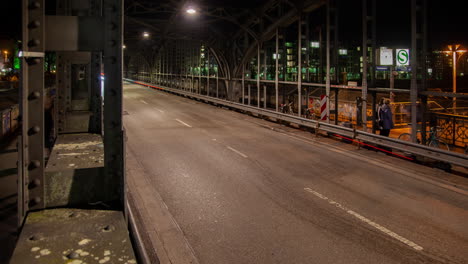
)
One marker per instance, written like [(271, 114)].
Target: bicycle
[(286, 108), (310, 113), (432, 141)]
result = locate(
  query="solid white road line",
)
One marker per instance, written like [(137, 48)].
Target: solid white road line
[(183, 123), (143, 101), (367, 221), (238, 152)]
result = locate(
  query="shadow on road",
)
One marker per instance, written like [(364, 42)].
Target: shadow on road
[(8, 199)]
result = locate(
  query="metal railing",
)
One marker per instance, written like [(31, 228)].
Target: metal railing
[(9, 121), (454, 128), (404, 146)]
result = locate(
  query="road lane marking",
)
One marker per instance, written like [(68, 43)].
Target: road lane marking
[(367, 221), (183, 123), (238, 152), (159, 110), (379, 163), (143, 101)]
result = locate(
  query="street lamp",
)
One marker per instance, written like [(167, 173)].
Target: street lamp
[(146, 35), (6, 55), (190, 10), (454, 49)]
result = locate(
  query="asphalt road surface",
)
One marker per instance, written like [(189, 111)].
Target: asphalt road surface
[(245, 190)]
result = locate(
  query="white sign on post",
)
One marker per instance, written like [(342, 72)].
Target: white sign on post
[(402, 57), (386, 56)]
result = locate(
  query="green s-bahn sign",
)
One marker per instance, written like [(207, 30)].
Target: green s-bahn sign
[(402, 57)]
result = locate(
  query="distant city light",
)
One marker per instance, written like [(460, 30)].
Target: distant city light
[(146, 34), (6, 55), (315, 44), (191, 10), (343, 51), (124, 47), (274, 56)]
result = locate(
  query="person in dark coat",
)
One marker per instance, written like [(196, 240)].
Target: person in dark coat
[(359, 110), (385, 118)]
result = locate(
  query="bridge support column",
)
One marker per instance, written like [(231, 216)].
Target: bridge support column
[(276, 68), (366, 18), (418, 47), (31, 142), (299, 66)]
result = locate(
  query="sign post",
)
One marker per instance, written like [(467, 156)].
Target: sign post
[(323, 107)]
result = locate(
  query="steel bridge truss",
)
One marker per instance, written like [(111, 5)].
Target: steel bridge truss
[(234, 68), (64, 186)]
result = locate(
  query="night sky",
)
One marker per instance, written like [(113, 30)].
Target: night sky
[(10, 19), (447, 22)]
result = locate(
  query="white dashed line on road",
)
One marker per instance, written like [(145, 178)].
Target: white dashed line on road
[(238, 152), (348, 153), (367, 221), (159, 110), (183, 123), (143, 101)]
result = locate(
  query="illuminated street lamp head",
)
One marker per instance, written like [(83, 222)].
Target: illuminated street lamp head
[(145, 34), (454, 48), (191, 10)]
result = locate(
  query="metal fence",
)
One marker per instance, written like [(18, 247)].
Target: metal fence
[(454, 129)]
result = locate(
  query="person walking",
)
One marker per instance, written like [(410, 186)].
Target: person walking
[(376, 119), (385, 119)]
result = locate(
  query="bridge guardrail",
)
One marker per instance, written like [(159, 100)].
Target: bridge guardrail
[(404, 146)]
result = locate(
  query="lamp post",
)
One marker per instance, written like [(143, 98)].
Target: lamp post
[(453, 50), (5, 52)]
